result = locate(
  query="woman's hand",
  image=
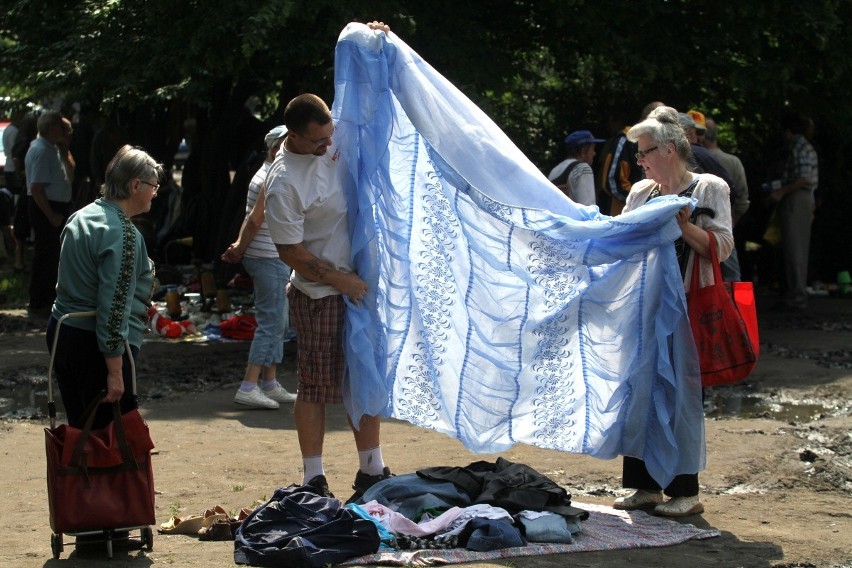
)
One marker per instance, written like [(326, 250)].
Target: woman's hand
[(682, 216), (115, 386), (234, 254), (115, 378)]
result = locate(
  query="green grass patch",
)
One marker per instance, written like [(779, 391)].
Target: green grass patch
[(13, 289)]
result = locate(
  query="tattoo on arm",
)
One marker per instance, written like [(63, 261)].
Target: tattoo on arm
[(302, 261), (319, 268)]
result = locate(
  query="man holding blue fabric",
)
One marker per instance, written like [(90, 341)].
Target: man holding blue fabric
[(306, 212)]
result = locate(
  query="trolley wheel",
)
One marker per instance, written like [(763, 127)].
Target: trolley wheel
[(56, 545), (148, 539)]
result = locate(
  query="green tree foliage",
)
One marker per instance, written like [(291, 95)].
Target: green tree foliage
[(540, 68)]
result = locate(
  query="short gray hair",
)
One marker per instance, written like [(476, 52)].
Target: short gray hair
[(129, 163), (663, 127), (48, 120)]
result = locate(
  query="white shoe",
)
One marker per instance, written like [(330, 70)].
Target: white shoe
[(279, 394), (680, 507), (639, 499), (254, 398)]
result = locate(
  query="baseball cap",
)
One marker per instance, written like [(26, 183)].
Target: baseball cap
[(580, 137), (274, 135), (698, 117), (686, 121)]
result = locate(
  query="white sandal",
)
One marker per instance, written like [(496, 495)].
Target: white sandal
[(680, 507), (639, 499)]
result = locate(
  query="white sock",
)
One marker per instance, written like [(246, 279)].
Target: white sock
[(247, 386), (313, 467), (269, 385), (371, 461)]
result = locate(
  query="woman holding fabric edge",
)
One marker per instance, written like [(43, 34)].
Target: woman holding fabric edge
[(104, 267), (663, 154), (254, 247)]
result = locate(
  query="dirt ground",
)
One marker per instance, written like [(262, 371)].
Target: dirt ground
[(778, 483)]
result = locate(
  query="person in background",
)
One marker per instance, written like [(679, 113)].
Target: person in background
[(795, 202), (255, 249), (307, 215), (574, 175), (49, 170), (733, 165), (104, 267), (10, 133), (21, 230), (700, 124), (616, 168), (703, 161), (664, 153), (11, 190)]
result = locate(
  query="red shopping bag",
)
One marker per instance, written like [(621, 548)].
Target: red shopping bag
[(723, 318), (100, 479)]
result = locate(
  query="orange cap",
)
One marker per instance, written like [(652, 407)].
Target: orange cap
[(698, 117)]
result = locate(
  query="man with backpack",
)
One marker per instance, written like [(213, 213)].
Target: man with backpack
[(574, 175)]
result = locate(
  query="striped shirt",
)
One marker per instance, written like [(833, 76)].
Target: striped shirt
[(261, 246)]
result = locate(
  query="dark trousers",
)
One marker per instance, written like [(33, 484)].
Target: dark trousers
[(635, 476), (45, 254), (81, 372), (21, 223)]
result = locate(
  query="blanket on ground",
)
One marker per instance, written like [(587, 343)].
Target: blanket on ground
[(606, 529)]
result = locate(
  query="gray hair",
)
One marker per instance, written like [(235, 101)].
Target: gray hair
[(663, 127), (129, 163), (48, 120), (711, 132)]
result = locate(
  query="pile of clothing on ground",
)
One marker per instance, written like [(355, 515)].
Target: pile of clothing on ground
[(483, 506)]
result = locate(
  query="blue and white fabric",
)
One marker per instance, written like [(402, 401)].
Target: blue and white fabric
[(499, 311)]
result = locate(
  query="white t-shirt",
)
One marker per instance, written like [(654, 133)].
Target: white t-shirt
[(305, 203), (581, 180)]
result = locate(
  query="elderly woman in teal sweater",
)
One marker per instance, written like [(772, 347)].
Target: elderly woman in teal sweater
[(104, 268)]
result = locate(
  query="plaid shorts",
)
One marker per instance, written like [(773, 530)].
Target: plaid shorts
[(319, 337)]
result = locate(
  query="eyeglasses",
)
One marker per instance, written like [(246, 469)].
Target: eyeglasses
[(155, 186), (640, 155), (321, 141)]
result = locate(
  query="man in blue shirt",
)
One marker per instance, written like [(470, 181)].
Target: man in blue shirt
[(49, 170)]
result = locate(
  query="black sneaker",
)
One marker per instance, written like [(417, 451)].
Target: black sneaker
[(364, 482), (320, 485)]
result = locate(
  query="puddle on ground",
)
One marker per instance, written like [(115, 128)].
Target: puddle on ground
[(739, 405), (23, 394), (27, 401)]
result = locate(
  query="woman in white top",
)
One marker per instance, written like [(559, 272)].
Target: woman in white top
[(663, 154), (255, 249)]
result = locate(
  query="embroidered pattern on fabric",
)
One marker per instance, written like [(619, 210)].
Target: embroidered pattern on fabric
[(555, 398), (554, 265), (420, 402), (122, 288)]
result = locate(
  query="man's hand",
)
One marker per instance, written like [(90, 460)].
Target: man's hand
[(351, 285), (381, 26)]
